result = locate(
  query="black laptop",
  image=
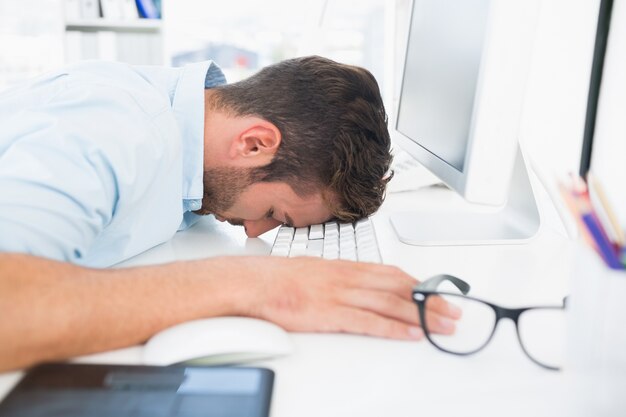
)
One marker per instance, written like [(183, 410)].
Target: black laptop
[(74, 390)]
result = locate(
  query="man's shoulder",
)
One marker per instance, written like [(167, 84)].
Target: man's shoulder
[(110, 109), (121, 83)]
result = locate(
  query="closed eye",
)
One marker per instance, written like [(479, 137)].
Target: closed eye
[(289, 221)]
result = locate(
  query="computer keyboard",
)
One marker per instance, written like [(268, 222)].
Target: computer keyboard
[(331, 240)]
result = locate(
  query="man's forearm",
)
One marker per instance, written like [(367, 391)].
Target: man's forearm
[(52, 310)]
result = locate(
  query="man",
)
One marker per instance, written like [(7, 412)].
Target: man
[(102, 161)]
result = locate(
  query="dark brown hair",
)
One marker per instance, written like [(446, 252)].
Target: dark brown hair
[(333, 125)]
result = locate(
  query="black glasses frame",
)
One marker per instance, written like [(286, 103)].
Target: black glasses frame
[(428, 288)]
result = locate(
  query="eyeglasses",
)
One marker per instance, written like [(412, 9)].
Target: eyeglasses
[(540, 330)]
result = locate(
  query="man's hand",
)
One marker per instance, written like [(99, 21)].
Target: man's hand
[(54, 310), (314, 295)]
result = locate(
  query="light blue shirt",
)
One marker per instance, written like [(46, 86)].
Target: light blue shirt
[(102, 161)]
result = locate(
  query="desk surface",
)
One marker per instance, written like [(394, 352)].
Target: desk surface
[(348, 375)]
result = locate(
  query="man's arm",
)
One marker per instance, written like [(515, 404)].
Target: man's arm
[(53, 310)]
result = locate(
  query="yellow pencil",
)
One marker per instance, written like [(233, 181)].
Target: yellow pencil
[(603, 209)]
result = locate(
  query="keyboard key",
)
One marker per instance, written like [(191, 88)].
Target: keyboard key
[(280, 251), (363, 224), (314, 248), (302, 234), (346, 228), (285, 232), (332, 253), (298, 248), (316, 232), (331, 228)]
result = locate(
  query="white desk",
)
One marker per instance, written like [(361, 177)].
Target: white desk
[(347, 375)]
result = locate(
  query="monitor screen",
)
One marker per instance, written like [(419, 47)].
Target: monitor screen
[(441, 75)]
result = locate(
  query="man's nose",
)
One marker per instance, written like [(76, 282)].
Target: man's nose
[(255, 228)]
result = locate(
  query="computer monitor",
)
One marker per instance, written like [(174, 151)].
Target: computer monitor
[(459, 110)]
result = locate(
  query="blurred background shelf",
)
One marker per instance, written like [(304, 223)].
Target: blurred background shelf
[(138, 25), (112, 30)]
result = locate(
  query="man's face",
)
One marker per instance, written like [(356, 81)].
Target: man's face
[(259, 207)]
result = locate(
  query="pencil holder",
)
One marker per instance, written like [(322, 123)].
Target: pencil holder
[(596, 353)]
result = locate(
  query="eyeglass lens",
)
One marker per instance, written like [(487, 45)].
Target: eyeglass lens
[(541, 330), (473, 329), (542, 335)]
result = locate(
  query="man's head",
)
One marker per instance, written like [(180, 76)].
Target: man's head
[(316, 125)]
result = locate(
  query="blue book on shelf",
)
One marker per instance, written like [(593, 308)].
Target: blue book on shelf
[(147, 9)]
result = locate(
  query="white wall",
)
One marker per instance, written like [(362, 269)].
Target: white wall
[(31, 40), (554, 112), (350, 31)]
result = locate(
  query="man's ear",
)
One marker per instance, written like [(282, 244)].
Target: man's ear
[(257, 143)]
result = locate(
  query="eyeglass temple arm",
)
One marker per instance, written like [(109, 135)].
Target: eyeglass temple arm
[(432, 283)]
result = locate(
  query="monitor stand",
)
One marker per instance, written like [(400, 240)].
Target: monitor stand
[(514, 223)]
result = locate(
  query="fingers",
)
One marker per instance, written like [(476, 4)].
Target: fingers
[(378, 277), (398, 308), (443, 307), (436, 323), (384, 303), (393, 280), (364, 322)]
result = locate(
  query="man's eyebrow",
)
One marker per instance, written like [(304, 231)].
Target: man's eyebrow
[(289, 221)]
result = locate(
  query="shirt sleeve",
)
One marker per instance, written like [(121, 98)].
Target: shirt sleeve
[(58, 183), (55, 199)]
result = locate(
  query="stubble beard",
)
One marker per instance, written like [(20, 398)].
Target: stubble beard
[(222, 187)]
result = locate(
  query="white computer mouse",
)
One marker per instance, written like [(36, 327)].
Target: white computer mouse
[(219, 340)]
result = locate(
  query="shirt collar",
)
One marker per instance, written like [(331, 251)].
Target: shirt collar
[(188, 107)]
